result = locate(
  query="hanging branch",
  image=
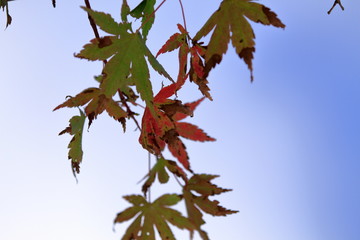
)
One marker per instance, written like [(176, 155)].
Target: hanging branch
[(335, 3)]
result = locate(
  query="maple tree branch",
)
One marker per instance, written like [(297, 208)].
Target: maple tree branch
[(183, 14), (150, 16), (128, 110), (335, 3)]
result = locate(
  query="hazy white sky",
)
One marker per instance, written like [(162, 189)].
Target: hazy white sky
[(287, 144)]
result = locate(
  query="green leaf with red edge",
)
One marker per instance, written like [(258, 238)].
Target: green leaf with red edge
[(231, 17), (156, 214), (75, 128)]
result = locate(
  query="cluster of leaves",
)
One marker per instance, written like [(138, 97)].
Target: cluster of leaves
[(125, 80)]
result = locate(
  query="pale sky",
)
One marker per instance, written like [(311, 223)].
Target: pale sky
[(287, 144)]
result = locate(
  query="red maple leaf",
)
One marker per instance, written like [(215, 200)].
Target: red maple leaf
[(165, 129)]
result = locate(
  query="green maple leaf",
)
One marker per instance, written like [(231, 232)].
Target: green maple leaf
[(149, 215), (230, 22), (75, 128), (160, 170), (145, 10), (96, 102), (127, 55), (200, 184)]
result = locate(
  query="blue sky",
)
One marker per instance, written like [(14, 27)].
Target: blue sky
[(287, 144)]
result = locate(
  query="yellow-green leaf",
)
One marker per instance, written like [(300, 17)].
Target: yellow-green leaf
[(75, 128), (231, 17), (104, 21)]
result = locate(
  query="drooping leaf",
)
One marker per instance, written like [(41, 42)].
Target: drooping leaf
[(201, 184), (162, 129), (75, 129), (150, 215), (96, 102), (160, 170), (230, 22), (178, 40), (197, 71), (196, 204)]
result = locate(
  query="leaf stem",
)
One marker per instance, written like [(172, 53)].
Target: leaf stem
[(183, 14), (149, 166), (150, 16)]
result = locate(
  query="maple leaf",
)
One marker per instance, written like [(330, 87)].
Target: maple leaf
[(200, 184), (197, 71), (178, 40), (127, 53), (231, 17), (97, 103), (159, 170), (145, 11), (197, 53), (164, 128), (150, 215), (75, 128)]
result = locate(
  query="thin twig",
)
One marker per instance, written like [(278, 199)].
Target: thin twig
[(335, 3), (183, 14), (150, 16), (176, 178), (149, 166)]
